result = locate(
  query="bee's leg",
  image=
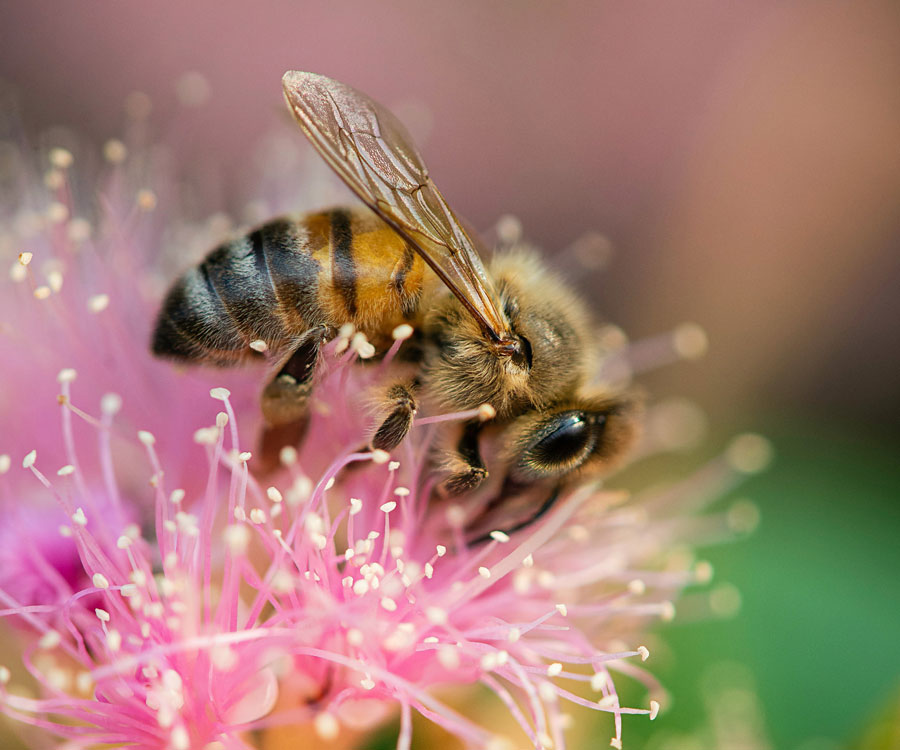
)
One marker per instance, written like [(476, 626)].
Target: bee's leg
[(548, 503), (284, 399), (466, 465), (402, 405)]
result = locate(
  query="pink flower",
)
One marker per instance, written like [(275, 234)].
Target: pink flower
[(186, 600)]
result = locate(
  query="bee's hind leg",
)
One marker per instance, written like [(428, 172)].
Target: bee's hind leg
[(285, 399)]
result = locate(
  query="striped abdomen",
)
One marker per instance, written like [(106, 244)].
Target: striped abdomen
[(286, 277)]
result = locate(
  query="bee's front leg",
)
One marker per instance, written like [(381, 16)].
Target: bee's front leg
[(467, 470), (285, 399)]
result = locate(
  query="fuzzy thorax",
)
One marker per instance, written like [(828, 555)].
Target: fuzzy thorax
[(463, 370)]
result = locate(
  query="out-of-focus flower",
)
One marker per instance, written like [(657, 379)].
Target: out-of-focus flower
[(187, 605)]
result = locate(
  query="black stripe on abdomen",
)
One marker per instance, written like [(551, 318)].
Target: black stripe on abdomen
[(343, 267), (294, 272)]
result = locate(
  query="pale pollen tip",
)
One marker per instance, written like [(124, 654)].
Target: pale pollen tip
[(29, 460), (388, 604), (355, 506), (637, 586), (562, 609), (61, 158), (244, 456), (486, 412), (484, 572), (146, 199), (220, 394), (644, 652), (147, 438), (50, 639), (98, 303), (393, 465), (616, 743), (102, 614), (500, 536), (654, 709), (114, 151), (110, 403), (42, 292), (5, 463), (67, 375), (25, 258), (389, 506), (668, 611), (749, 453), (5, 675), (100, 581), (402, 332), (326, 726), (441, 550), (380, 457), (123, 542), (259, 345), (690, 341), (274, 494), (528, 562), (401, 491)]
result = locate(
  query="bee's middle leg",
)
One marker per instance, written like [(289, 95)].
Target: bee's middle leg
[(285, 399), (467, 470), (402, 407)]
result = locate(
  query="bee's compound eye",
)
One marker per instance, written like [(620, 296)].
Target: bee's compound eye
[(564, 445)]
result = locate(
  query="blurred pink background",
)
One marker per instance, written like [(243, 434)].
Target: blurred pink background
[(743, 158)]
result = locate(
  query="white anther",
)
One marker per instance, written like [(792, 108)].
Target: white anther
[(29, 460), (100, 581), (220, 394), (500, 536), (147, 438), (66, 376), (259, 345), (644, 652), (402, 332), (554, 669), (110, 403), (486, 412)]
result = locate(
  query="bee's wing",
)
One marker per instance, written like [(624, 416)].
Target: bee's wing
[(375, 155)]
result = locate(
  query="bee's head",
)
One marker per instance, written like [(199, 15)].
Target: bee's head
[(547, 361)]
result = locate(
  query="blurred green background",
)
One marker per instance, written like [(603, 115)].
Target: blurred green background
[(743, 159)]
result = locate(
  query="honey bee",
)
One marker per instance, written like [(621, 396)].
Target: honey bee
[(514, 336)]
